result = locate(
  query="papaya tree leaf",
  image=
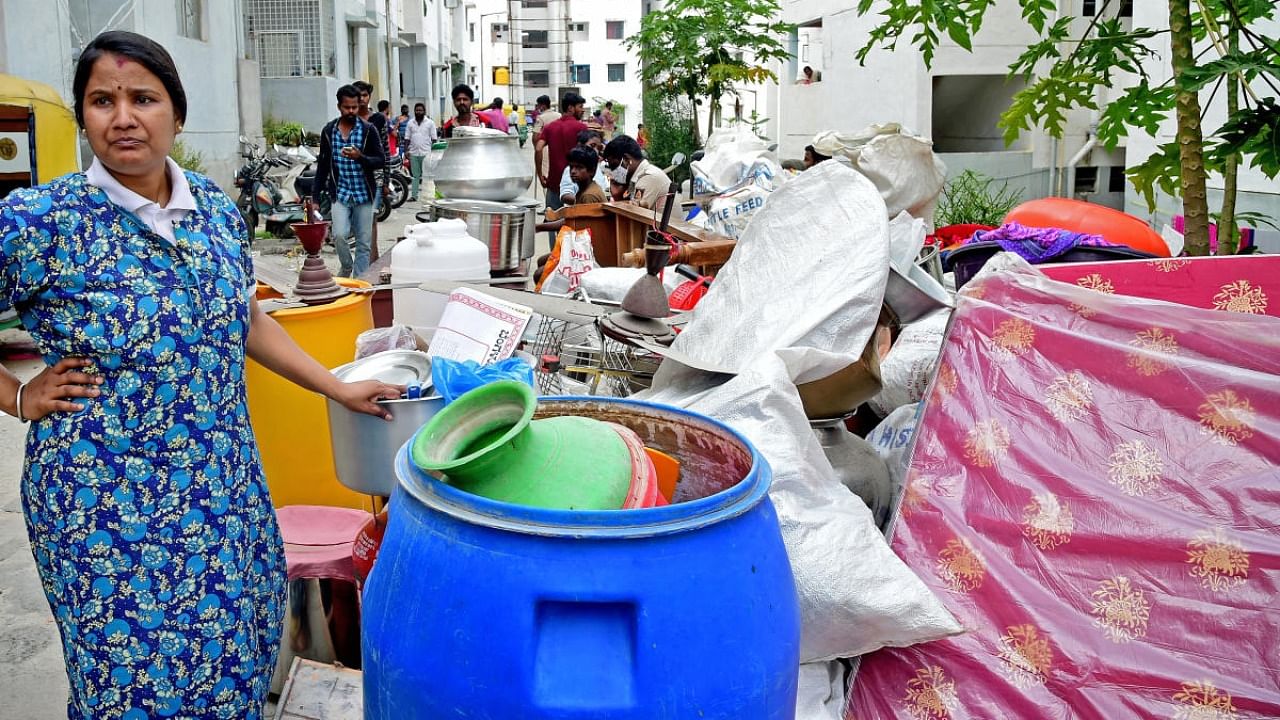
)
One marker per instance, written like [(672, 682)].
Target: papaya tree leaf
[(1141, 107)]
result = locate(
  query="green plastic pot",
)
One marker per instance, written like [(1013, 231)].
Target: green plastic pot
[(487, 443)]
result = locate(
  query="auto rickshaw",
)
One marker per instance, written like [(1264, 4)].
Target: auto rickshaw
[(37, 134)]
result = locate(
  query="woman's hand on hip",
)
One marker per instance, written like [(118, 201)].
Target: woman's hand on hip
[(363, 396), (55, 388)]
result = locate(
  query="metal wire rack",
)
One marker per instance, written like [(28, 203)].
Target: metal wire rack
[(578, 359)]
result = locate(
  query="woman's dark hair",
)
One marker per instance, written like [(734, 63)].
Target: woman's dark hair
[(462, 89), (143, 50), (585, 157), (404, 109), (348, 91), (623, 145)]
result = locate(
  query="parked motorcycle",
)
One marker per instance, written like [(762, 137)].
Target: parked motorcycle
[(274, 200)]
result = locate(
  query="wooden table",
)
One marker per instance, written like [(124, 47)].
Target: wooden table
[(619, 227)]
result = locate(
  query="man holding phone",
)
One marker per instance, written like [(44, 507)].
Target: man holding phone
[(350, 152)]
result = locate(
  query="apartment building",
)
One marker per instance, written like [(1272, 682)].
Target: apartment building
[(520, 49)]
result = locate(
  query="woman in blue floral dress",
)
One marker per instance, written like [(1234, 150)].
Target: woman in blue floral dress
[(148, 514)]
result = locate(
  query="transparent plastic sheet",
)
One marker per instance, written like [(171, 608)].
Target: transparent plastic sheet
[(1094, 492), (395, 337)]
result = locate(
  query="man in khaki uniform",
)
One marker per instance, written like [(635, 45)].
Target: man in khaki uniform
[(646, 183)]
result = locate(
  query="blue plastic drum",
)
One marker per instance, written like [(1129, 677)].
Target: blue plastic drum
[(482, 609)]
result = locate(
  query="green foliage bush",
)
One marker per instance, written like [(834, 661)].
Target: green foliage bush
[(280, 132), (187, 158), (667, 121), (970, 198)]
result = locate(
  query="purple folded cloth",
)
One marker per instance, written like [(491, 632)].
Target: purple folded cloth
[(1037, 245)]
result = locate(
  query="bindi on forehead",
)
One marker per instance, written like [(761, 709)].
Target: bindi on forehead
[(120, 61)]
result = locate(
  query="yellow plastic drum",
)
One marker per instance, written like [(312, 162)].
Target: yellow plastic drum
[(292, 424)]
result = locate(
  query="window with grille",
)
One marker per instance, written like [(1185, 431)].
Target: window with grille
[(617, 72), (580, 74), (534, 39), (537, 78), (578, 31), (613, 30), (289, 37), (191, 19)]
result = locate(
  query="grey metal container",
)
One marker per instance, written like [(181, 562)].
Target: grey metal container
[(364, 446), (501, 226), (487, 166)]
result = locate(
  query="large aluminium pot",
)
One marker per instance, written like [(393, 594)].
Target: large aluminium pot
[(501, 226), (483, 167)]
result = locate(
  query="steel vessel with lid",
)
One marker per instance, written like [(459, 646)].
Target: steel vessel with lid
[(499, 225), (364, 446)]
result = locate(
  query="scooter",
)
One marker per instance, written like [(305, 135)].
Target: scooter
[(261, 197)]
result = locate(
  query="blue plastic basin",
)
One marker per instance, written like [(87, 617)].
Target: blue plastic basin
[(482, 609)]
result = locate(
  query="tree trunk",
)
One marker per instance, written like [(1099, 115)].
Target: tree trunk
[(1195, 203), (693, 120), (1228, 228), (712, 108)]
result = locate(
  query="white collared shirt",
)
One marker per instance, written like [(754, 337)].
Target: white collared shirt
[(159, 219)]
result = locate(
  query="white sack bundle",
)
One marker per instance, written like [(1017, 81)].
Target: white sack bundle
[(797, 301), (902, 165)]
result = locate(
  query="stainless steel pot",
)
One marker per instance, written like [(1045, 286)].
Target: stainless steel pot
[(364, 446), (483, 167), (501, 226)]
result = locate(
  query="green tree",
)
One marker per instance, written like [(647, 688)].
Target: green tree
[(701, 48), (1065, 73)]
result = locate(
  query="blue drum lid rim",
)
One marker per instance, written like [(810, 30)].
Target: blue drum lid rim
[(417, 485)]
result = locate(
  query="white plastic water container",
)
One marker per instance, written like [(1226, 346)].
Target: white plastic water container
[(440, 250)]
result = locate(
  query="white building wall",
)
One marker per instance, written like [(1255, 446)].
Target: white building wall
[(482, 53), (598, 52), (42, 40)]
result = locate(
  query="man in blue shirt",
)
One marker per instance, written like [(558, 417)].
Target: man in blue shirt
[(347, 176)]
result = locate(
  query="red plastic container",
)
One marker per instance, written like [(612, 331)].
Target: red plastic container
[(1084, 217)]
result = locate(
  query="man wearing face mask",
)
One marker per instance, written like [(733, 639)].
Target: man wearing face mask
[(646, 183)]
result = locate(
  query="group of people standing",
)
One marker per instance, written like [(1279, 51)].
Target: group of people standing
[(560, 137)]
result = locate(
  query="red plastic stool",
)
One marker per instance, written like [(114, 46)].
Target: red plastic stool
[(318, 540), (317, 547)]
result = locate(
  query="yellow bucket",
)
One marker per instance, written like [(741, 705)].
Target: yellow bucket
[(292, 424)]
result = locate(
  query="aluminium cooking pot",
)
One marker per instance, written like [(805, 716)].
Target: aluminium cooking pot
[(486, 166), (364, 446)]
